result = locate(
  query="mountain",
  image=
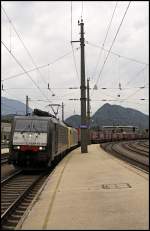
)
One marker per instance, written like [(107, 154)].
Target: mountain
[(109, 115), (73, 121), (10, 106)]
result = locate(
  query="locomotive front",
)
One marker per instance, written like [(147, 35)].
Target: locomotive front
[(30, 145)]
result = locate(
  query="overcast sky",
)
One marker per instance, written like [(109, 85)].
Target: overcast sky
[(45, 29)]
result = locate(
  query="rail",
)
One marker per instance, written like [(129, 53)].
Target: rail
[(14, 192), (5, 215), (121, 151)]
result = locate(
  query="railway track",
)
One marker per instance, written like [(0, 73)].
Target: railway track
[(4, 158), (143, 144), (124, 151), (17, 192), (135, 148), (4, 155)]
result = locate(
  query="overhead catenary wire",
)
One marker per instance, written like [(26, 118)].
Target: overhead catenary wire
[(29, 54), (21, 40), (108, 28), (113, 42), (23, 68), (71, 21), (99, 88), (110, 100), (116, 54), (10, 34), (132, 94), (77, 88), (82, 10), (74, 60), (137, 74), (39, 67)]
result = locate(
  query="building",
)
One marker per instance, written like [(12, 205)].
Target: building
[(5, 131)]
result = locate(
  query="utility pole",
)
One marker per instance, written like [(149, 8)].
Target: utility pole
[(84, 142), (88, 110), (27, 105), (83, 126), (62, 112)]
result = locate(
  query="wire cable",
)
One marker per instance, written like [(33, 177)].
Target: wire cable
[(22, 68), (113, 42), (74, 60), (71, 21), (132, 94), (114, 53), (29, 54), (109, 25), (39, 67), (82, 10), (137, 74)]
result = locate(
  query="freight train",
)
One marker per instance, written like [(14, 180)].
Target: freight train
[(117, 133), (39, 139)]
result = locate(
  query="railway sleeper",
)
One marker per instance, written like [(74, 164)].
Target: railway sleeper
[(15, 217), (30, 197), (11, 221), (8, 227), (6, 203), (27, 200), (10, 187), (7, 200), (18, 185), (25, 203), (10, 195), (17, 212), (12, 191), (21, 208)]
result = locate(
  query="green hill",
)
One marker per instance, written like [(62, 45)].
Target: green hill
[(111, 115)]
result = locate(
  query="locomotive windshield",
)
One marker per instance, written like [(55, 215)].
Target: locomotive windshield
[(31, 125)]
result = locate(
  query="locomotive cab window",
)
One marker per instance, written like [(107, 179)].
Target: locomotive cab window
[(31, 125), (23, 125), (39, 125)]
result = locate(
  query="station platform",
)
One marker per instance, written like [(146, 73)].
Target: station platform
[(93, 190)]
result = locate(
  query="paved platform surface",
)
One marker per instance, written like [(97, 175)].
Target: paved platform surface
[(91, 191)]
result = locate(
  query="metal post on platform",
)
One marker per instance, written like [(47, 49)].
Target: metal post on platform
[(84, 140), (83, 126), (88, 110)]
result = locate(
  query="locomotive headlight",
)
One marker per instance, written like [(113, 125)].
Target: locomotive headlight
[(16, 147), (41, 148)]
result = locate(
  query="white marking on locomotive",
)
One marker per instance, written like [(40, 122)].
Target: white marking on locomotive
[(28, 138)]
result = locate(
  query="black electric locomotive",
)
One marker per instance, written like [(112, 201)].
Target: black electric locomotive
[(36, 141)]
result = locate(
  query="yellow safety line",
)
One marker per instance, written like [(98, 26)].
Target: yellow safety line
[(54, 195)]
